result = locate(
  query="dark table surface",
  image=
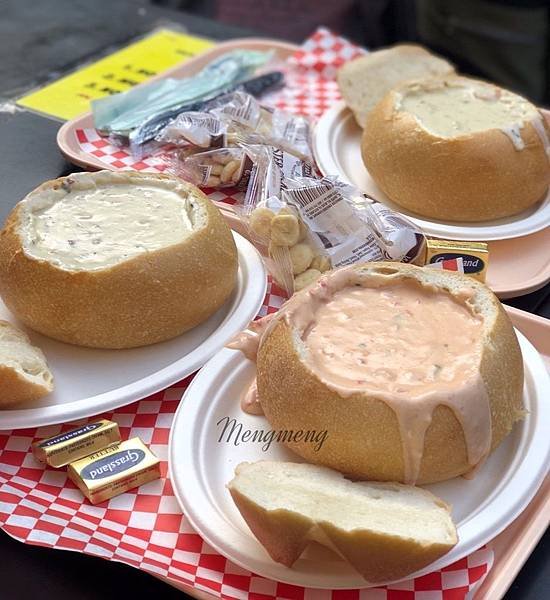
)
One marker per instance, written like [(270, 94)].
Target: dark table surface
[(39, 41)]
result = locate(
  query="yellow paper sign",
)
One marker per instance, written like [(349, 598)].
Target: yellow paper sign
[(70, 96)]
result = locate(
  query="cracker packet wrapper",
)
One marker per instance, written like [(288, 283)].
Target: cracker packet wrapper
[(251, 123), (273, 224), (224, 167), (246, 122), (199, 129), (310, 225)]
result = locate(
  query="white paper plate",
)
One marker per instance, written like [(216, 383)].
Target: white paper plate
[(201, 466), (90, 381), (336, 145)]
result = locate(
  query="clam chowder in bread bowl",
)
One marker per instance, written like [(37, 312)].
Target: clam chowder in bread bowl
[(415, 373), (458, 149), (116, 260)]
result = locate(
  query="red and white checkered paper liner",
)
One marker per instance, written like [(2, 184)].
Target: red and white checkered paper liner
[(145, 527)]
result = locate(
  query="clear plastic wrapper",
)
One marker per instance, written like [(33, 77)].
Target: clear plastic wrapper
[(252, 123), (224, 167), (237, 108), (274, 224), (272, 167), (238, 119), (310, 225), (200, 129)]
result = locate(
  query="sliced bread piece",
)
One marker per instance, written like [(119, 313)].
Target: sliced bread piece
[(364, 81), (386, 531), (24, 373)]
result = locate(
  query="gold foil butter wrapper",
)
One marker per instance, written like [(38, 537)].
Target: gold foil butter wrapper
[(470, 258), (62, 449), (114, 470)]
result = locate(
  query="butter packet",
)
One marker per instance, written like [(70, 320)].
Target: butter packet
[(470, 258), (114, 470), (67, 447)]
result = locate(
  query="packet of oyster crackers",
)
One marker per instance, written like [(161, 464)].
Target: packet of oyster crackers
[(224, 167), (351, 226), (199, 129), (337, 226), (273, 224)]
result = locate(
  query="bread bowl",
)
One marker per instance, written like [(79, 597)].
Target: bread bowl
[(414, 373), (24, 373), (115, 260), (386, 530), (458, 149), (364, 81)]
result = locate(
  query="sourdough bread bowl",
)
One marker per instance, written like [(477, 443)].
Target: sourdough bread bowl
[(24, 373), (415, 374), (458, 149), (116, 260), (386, 530), (364, 81)]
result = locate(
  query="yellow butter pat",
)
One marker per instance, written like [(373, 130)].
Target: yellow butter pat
[(472, 256), (67, 447), (114, 470)]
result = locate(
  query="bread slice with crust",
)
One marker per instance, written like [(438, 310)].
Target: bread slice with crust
[(364, 81), (386, 531), (24, 373)]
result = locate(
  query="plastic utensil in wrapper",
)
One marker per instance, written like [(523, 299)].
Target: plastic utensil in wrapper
[(121, 113), (224, 167), (153, 126), (312, 225)]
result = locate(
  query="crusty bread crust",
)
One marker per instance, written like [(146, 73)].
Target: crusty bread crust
[(363, 438), (381, 558), (15, 388), (15, 385), (363, 81), (474, 177), (377, 556), (282, 533), (147, 299)]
